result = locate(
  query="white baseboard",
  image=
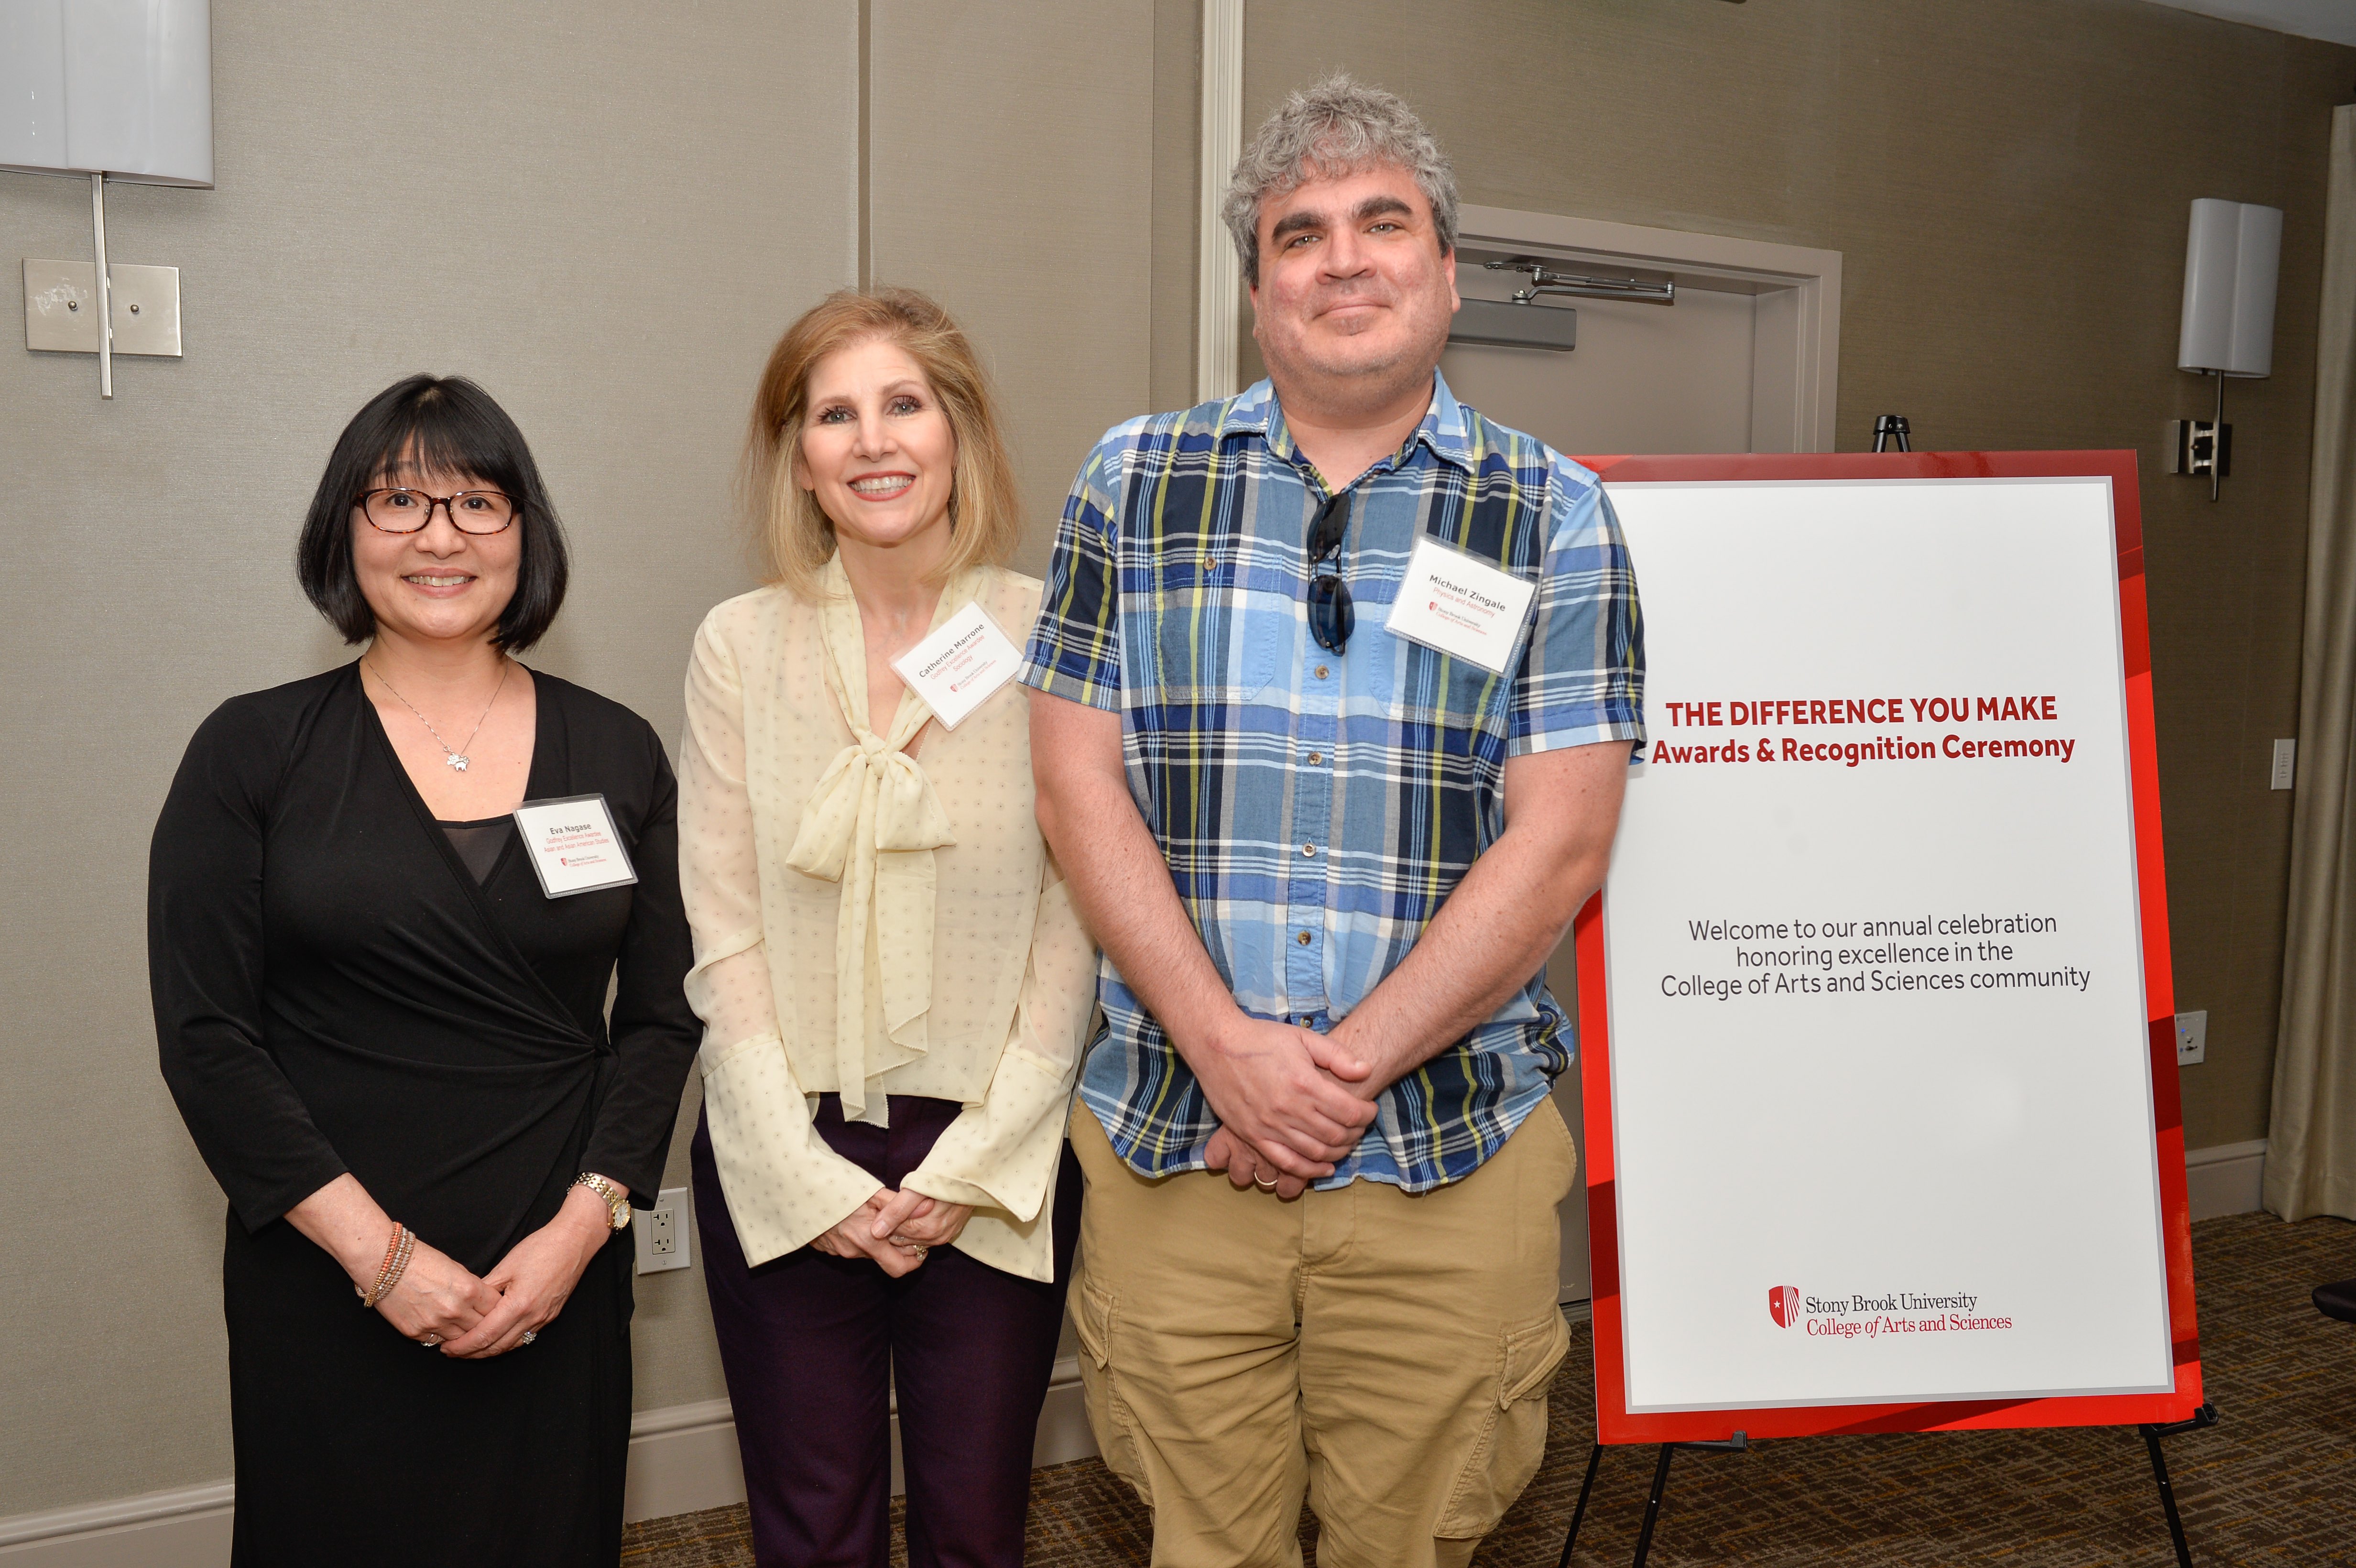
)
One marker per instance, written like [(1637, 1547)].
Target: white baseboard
[(683, 1460), (185, 1527), (683, 1457), (2228, 1178), (1064, 1430)]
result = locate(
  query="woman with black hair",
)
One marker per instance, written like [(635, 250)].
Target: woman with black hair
[(380, 973)]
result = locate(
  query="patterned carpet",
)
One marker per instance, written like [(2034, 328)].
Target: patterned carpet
[(2274, 1483)]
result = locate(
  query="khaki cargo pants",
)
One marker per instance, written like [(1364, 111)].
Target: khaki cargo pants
[(1387, 1353)]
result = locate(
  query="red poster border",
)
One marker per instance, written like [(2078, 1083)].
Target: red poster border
[(1613, 1422)]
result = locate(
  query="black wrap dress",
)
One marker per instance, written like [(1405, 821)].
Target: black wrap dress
[(335, 991)]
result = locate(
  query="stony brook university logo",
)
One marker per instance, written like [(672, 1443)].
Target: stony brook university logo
[(1784, 1305)]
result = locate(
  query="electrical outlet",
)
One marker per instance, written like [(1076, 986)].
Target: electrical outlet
[(2192, 1037), (662, 1232), (2285, 764)]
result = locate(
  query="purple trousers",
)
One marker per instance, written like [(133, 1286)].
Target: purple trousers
[(813, 1346)]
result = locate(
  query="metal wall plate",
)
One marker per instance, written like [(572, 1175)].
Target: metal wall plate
[(2195, 447), (62, 308)]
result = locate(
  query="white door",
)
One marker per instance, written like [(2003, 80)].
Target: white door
[(1684, 378)]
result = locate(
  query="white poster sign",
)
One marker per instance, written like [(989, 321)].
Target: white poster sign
[(1881, 1100)]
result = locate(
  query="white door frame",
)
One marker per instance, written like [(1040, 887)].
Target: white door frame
[(1796, 344), (1218, 305)]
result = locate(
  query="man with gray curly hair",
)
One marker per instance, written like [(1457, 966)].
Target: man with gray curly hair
[(1334, 687), (1336, 127)]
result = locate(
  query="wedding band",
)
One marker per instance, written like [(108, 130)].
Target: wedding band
[(921, 1251), (1263, 1185), (431, 1340), (529, 1336)]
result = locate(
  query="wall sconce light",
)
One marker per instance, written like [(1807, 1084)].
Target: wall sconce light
[(102, 90), (2233, 258)]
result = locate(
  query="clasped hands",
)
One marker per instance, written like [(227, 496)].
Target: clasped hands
[(1290, 1103), (894, 1230), (440, 1303)]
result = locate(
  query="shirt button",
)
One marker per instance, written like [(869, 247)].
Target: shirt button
[(1303, 938), (1309, 848), (1320, 672), (1315, 758)]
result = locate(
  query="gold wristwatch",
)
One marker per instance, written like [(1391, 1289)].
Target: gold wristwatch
[(616, 1202)]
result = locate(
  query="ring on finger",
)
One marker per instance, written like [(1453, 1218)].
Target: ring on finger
[(431, 1340), (1267, 1186), (529, 1336)]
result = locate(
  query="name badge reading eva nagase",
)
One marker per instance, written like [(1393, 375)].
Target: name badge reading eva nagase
[(1451, 603), (573, 845), (955, 669)]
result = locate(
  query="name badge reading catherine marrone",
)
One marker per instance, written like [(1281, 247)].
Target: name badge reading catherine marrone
[(956, 667), (573, 845), (1461, 606)]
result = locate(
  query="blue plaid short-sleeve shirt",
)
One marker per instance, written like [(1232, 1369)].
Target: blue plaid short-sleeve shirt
[(1316, 808)]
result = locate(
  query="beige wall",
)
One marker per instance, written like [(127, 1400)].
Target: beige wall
[(605, 216), (2007, 183), (599, 215), (1024, 201)]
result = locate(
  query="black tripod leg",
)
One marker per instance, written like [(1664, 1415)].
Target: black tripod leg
[(2166, 1497), (1652, 1503), (1571, 1542)]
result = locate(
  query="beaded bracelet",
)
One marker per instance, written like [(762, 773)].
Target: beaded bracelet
[(396, 1263), (399, 1264), (400, 1267)]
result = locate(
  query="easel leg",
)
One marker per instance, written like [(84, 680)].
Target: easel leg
[(1571, 1542), (1652, 1503), (2168, 1498), (2205, 1416)]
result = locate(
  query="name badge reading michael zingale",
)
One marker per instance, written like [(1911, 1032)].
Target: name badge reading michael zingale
[(955, 669), (573, 845), (1459, 606)]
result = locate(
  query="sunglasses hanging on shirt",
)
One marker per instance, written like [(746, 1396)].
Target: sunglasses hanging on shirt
[(1331, 615)]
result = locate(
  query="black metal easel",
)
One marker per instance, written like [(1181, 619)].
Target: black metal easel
[(1738, 1443), (2152, 1433), (1578, 1514)]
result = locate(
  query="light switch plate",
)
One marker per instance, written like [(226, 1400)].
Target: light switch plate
[(2285, 768), (2192, 1037), (62, 308), (662, 1232)]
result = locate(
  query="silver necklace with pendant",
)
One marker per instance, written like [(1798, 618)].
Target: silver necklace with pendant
[(457, 760)]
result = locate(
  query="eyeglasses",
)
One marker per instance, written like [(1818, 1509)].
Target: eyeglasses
[(1331, 616), (409, 511)]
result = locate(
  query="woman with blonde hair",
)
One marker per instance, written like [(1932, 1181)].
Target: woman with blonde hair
[(894, 985)]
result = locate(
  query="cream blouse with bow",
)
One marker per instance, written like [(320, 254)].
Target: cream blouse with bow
[(869, 923)]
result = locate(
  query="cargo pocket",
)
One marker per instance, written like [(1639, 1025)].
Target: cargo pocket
[(1094, 1313), (1511, 1438)]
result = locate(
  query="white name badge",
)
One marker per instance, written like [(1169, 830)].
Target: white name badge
[(960, 665), (573, 845), (1461, 606)]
